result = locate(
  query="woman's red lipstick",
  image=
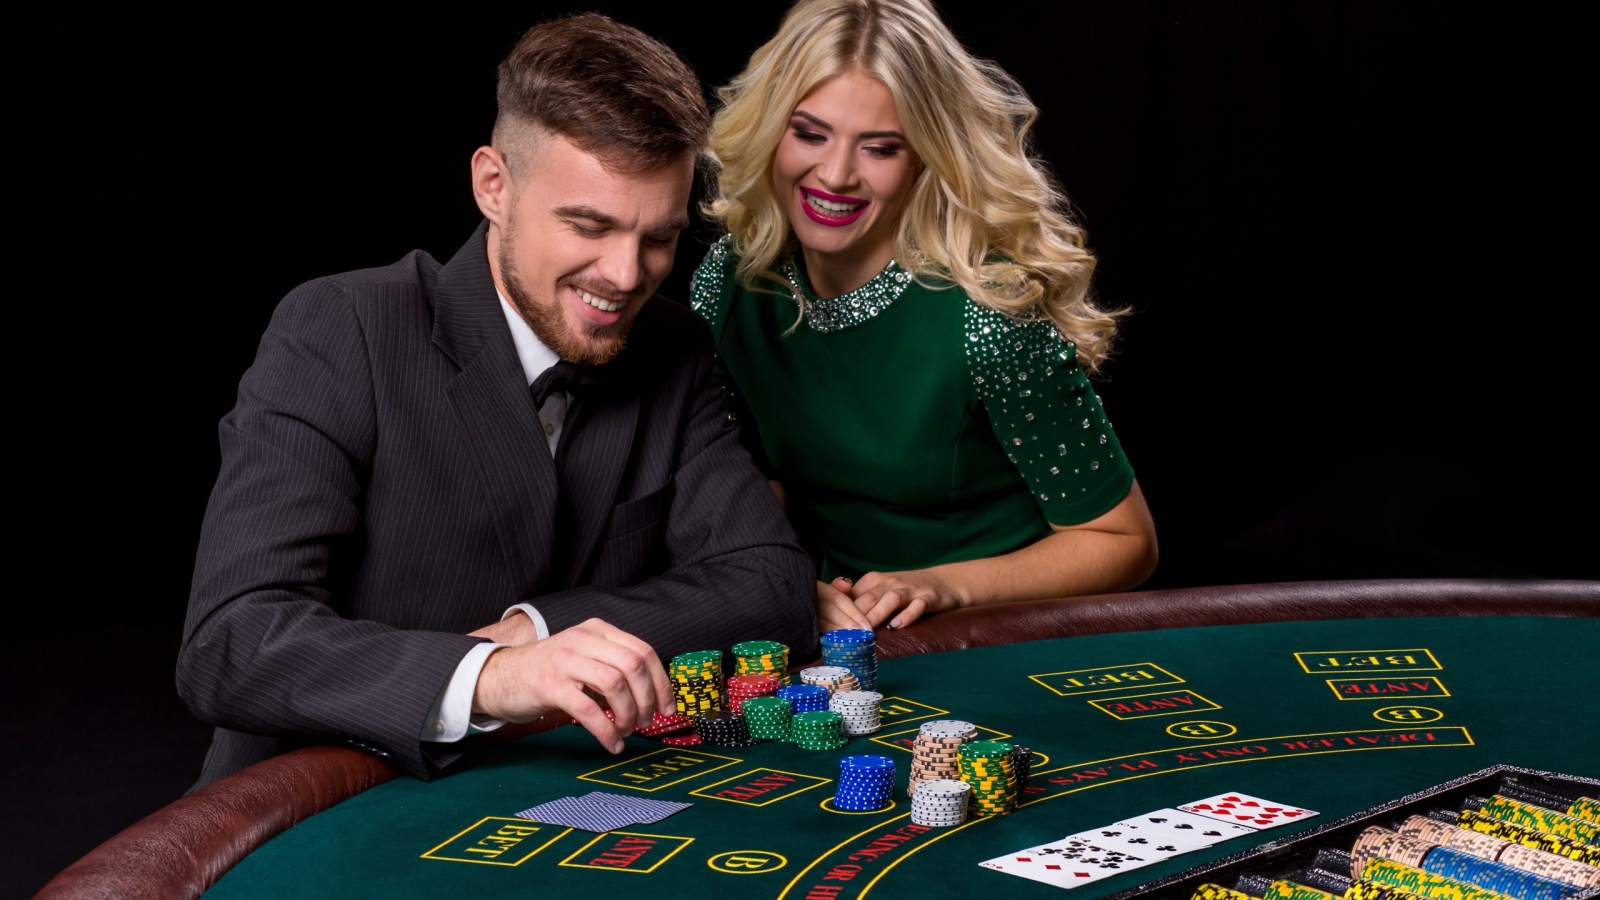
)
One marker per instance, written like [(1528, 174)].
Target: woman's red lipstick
[(822, 218)]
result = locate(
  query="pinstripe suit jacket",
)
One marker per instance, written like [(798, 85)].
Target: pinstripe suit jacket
[(386, 487)]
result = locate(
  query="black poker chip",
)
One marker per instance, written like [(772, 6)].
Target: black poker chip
[(724, 728)]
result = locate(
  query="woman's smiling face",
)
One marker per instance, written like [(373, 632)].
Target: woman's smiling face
[(843, 170)]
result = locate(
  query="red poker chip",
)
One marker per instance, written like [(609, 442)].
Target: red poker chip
[(660, 724), (684, 740)]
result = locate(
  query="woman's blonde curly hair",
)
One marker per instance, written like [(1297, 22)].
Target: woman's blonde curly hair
[(983, 212)]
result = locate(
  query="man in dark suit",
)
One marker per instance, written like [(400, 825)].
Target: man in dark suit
[(454, 496)]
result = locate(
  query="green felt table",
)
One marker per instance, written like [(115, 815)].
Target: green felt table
[(1335, 716)]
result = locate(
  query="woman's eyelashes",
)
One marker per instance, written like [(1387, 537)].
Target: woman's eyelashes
[(876, 151)]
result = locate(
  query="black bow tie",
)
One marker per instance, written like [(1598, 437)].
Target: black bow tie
[(563, 377)]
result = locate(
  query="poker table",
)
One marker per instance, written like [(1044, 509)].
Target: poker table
[(1335, 697)]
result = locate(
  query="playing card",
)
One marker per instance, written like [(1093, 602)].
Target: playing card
[(1070, 862), (1243, 809), (646, 810), (1169, 832), (578, 812)]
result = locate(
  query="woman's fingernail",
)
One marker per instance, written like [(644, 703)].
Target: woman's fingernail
[(617, 747), (895, 624)]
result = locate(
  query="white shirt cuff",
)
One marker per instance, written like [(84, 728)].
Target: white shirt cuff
[(538, 620), (451, 718)]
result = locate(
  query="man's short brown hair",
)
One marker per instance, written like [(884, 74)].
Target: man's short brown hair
[(609, 88)]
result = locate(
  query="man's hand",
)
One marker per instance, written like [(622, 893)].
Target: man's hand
[(513, 631), (901, 598), (836, 609), (521, 683)]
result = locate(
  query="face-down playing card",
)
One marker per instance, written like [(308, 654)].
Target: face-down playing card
[(580, 812), (1243, 809), (646, 810), (599, 811), (1074, 860)]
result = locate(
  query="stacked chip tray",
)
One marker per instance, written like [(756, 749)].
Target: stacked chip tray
[(1296, 857)]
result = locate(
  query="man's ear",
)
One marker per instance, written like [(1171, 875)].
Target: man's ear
[(491, 185)]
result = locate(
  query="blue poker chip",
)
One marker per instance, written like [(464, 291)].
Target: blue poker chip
[(860, 807), (847, 636), (867, 762)]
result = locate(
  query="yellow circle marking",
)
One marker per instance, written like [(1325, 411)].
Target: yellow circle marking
[(1408, 715), (747, 862), (1201, 729), (1039, 759), (827, 806)]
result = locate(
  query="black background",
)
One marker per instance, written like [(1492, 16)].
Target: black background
[(1355, 235)]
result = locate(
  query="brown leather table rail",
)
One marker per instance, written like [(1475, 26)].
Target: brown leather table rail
[(180, 850)]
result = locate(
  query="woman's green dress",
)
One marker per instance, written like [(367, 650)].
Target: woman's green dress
[(909, 426)]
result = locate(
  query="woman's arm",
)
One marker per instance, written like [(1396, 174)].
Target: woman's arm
[(1114, 552)]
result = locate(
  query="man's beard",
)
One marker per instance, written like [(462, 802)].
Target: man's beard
[(584, 346)]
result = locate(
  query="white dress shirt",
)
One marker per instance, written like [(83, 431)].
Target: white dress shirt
[(451, 717)]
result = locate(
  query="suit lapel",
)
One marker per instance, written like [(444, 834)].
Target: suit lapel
[(490, 399), (593, 457)]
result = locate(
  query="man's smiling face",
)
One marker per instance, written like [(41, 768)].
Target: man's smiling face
[(576, 246)]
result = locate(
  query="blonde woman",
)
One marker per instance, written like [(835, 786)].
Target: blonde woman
[(902, 313)]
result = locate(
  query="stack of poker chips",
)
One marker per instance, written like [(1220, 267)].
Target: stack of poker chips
[(724, 728), (658, 724), (819, 730), (1283, 889), (1538, 818), (834, 678), (1413, 880), (1218, 892), (938, 802), (934, 752), (1021, 767), (697, 682), (805, 697), (762, 657), (1371, 890), (1495, 876), (855, 649), (1485, 846), (1381, 842), (768, 718), (1585, 808), (744, 687), (1420, 853), (986, 765), (859, 709), (1528, 837), (865, 783)]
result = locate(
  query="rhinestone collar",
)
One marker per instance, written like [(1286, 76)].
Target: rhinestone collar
[(853, 307)]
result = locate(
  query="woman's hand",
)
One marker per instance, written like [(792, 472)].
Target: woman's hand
[(901, 598), (837, 609)]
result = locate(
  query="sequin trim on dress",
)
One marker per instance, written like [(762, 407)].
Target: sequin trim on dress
[(1030, 383), (851, 308)]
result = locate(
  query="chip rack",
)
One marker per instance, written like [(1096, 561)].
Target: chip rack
[(1291, 855)]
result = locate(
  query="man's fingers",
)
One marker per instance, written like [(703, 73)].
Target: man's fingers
[(587, 713), (635, 667), (610, 683), (661, 686)]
